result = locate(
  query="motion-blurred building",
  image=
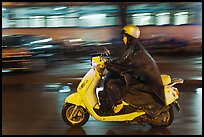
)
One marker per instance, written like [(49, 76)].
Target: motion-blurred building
[(102, 20)]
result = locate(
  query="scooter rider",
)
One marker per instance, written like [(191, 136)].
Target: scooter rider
[(133, 77)]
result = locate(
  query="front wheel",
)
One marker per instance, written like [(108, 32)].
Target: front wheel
[(74, 116), (167, 117)]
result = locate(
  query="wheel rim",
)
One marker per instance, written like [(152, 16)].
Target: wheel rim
[(75, 116), (166, 117)]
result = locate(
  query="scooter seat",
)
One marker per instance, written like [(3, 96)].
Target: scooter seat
[(166, 79)]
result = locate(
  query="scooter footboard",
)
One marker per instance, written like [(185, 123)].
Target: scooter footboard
[(76, 99)]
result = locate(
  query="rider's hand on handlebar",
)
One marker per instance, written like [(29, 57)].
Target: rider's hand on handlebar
[(105, 60)]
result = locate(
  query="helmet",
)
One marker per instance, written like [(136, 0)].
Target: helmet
[(132, 30)]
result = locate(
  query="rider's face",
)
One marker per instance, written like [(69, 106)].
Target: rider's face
[(125, 39)]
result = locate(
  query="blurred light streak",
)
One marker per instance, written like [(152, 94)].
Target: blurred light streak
[(60, 8), (197, 78), (94, 16), (161, 14), (43, 40), (199, 90), (3, 9), (42, 47), (75, 40), (5, 71), (65, 89), (141, 14), (53, 85), (181, 13)]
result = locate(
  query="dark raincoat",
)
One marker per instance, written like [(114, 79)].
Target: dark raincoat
[(141, 84)]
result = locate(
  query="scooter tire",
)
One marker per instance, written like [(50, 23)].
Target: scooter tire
[(171, 118), (79, 120)]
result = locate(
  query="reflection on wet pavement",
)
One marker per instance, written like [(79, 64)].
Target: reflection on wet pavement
[(27, 110)]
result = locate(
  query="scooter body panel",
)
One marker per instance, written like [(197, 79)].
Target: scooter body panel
[(169, 92), (87, 88), (170, 95), (122, 117)]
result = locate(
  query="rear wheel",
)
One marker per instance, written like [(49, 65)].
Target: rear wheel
[(74, 116), (167, 117)]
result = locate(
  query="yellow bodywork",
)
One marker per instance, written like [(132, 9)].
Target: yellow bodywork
[(170, 94), (166, 79), (87, 98), (86, 95)]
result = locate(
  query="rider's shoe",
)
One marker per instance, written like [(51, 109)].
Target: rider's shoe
[(118, 108), (104, 111)]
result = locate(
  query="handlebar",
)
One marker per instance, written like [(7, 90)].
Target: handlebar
[(105, 53)]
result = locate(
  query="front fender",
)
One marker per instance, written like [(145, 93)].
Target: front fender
[(75, 99)]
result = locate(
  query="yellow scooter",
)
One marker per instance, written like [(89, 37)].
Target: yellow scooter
[(84, 102)]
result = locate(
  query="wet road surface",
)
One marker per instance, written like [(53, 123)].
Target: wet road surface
[(34, 111)]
